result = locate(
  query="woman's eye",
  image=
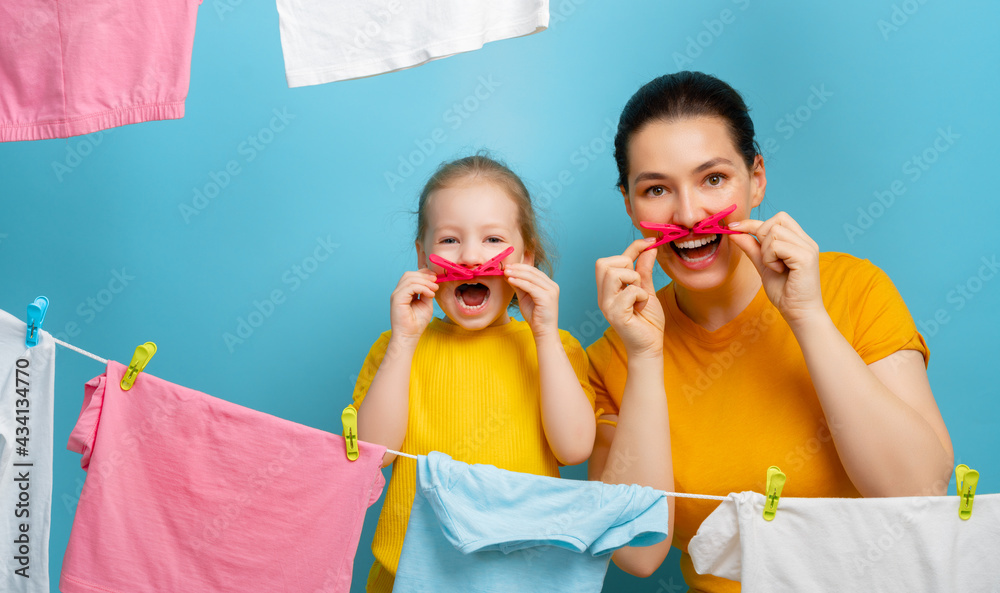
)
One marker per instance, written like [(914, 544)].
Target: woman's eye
[(656, 190), (715, 179)]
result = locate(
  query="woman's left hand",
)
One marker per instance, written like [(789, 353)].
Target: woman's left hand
[(537, 297), (788, 262)]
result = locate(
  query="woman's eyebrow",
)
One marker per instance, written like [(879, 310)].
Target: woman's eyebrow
[(716, 161), (648, 175)]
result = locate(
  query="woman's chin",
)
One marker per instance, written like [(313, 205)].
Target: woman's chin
[(702, 275)]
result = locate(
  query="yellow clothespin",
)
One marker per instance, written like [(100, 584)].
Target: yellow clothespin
[(139, 360), (350, 420), (775, 482), (965, 482)]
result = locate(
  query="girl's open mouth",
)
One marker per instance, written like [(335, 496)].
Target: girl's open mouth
[(695, 249), (472, 297)]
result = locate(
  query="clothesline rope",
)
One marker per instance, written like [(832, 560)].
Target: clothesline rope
[(79, 350), (103, 361), (703, 496), (402, 454), (675, 494)]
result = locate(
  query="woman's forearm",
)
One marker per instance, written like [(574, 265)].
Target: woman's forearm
[(888, 446), (640, 453)]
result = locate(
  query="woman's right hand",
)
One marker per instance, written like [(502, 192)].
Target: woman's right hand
[(411, 305), (628, 299)]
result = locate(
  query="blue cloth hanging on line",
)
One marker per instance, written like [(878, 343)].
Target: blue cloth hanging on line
[(477, 528)]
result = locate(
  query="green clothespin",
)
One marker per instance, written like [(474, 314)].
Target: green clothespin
[(139, 360), (775, 482), (965, 482), (350, 420)]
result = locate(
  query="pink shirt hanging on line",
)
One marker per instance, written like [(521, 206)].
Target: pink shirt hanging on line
[(69, 67), (187, 492)]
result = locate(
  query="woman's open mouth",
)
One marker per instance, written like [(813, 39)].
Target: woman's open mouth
[(472, 297), (694, 250)]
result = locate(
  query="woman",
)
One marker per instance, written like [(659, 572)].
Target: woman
[(762, 351)]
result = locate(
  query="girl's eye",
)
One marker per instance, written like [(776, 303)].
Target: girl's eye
[(448, 240), (494, 240), (715, 179)]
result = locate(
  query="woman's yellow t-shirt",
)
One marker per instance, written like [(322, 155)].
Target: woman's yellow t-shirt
[(741, 399), (473, 395)]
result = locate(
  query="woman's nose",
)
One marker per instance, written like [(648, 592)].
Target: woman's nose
[(688, 211)]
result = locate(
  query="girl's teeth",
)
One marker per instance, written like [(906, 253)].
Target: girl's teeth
[(696, 242)]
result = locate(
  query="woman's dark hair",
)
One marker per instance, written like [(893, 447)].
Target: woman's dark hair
[(680, 95)]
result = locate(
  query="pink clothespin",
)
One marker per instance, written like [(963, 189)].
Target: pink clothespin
[(711, 225), (669, 232), (707, 226), (453, 271)]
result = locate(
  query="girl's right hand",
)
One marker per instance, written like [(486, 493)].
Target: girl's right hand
[(411, 305), (628, 299)]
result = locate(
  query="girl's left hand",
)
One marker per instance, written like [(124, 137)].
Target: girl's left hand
[(537, 297), (788, 262)]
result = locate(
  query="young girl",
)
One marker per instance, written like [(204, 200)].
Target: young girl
[(476, 385)]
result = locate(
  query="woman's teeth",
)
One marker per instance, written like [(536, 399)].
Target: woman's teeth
[(697, 250), (696, 242), (697, 259)]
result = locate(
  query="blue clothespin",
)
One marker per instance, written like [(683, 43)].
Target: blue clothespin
[(36, 316)]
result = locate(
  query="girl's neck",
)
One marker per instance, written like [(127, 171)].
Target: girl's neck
[(716, 307)]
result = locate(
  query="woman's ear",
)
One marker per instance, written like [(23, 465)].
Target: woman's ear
[(758, 181), (628, 204)]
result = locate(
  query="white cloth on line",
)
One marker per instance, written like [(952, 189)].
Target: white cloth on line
[(27, 377), (907, 544), (330, 40)]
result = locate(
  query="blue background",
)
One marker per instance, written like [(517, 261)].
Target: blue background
[(550, 110)]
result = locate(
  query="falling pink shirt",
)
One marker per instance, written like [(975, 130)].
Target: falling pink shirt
[(69, 67), (187, 492)]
